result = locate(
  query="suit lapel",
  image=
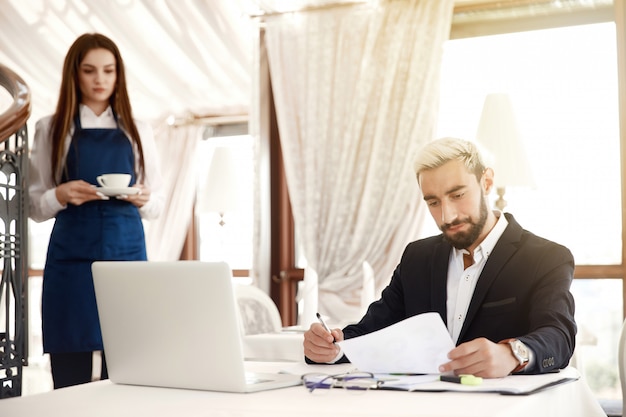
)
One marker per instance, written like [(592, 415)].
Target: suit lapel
[(502, 252), (439, 277)]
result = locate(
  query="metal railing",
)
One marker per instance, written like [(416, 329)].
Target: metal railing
[(13, 234)]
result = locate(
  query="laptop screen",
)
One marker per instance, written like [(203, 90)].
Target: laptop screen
[(170, 324)]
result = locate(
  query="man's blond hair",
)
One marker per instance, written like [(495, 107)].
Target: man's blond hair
[(441, 151)]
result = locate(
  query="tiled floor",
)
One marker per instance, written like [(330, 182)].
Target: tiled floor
[(36, 377)]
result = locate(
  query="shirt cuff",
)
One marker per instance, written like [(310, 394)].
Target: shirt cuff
[(339, 356), (51, 203)]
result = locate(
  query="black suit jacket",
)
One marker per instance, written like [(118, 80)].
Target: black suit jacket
[(522, 292)]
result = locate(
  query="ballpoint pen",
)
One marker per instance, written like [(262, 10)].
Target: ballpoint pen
[(319, 317)]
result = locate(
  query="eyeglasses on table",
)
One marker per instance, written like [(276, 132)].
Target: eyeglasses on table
[(351, 381)]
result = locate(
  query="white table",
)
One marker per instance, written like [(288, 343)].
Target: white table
[(105, 398), (283, 346)]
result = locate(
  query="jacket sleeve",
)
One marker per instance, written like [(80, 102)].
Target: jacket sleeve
[(552, 328)]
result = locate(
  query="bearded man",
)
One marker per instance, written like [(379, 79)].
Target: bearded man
[(503, 292)]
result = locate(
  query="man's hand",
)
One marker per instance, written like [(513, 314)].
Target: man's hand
[(319, 345), (481, 357)]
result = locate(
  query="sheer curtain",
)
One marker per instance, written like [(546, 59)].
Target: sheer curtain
[(181, 57), (165, 235), (356, 95)]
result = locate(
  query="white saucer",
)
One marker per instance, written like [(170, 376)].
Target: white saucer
[(114, 192)]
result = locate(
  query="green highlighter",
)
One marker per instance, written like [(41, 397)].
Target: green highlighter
[(462, 379)]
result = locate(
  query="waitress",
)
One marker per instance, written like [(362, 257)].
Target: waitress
[(91, 133)]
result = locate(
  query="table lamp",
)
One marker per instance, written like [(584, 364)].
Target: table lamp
[(220, 192), (498, 133)]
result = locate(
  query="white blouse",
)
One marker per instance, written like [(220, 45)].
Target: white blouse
[(43, 202)]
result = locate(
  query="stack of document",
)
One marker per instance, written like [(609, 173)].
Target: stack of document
[(406, 356), (511, 385)]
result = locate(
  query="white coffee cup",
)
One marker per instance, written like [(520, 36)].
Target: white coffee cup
[(113, 180)]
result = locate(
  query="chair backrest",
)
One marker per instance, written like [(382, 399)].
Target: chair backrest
[(621, 359), (257, 312), (369, 288)]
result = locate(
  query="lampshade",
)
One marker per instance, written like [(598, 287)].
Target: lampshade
[(220, 191), (498, 133)]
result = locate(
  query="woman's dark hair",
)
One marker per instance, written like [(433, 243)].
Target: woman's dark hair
[(70, 97)]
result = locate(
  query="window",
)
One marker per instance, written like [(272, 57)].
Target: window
[(563, 85)]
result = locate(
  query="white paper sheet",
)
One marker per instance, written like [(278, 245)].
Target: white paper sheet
[(418, 344)]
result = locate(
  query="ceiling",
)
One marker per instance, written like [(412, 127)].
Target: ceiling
[(182, 56)]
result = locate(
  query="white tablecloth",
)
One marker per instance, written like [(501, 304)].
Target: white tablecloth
[(100, 399), (284, 346)]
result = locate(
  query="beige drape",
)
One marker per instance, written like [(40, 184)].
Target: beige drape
[(356, 95), (165, 235)]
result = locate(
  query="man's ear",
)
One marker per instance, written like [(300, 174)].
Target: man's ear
[(487, 180)]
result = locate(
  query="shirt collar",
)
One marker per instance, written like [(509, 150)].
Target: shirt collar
[(87, 113), (486, 246)]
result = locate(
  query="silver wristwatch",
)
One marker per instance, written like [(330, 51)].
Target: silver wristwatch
[(520, 351)]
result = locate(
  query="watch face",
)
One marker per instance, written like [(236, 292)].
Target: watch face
[(520, 351)]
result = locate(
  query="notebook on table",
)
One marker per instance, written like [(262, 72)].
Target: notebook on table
[(174, 324)]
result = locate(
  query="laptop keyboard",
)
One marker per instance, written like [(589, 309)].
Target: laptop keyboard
[(252, 378)]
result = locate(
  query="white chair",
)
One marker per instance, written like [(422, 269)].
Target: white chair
[(615, 408), (584, 337), (621, 361), (257, 312), (260, 325), (369, 288)]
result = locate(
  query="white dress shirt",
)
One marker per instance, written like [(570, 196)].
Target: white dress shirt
[(43, 202), (462, 282)]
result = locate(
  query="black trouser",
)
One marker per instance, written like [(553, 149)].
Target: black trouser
[(74, 368)]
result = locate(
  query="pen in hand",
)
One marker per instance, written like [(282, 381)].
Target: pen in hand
[(319, 317)]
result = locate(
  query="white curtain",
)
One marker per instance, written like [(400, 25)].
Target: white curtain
[(165, 235), (356, 95), (181, 57)]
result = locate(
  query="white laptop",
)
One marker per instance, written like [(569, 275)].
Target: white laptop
[(174, 324)]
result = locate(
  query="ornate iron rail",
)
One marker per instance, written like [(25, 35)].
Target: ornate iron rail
[(13, 234)]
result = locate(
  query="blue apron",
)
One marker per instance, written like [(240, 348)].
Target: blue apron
[(97, 230)]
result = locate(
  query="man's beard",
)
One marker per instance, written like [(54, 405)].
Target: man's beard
[(463, 240)]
